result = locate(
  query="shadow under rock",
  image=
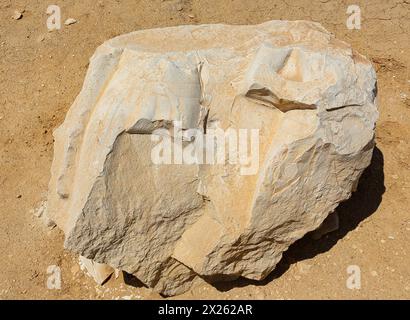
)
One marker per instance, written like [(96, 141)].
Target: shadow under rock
[(132, 280), (363, 203)]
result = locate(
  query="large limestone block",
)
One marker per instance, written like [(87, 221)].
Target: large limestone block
[(311, 97)]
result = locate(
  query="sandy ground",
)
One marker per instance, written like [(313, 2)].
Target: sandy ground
[(41, 73)]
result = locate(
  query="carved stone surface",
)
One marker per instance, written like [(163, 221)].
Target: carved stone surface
[(310, 96)]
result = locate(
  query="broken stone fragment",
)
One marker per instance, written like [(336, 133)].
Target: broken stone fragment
[(70, 21), (98, 271), (41, 213), (17, 15), (310, 98)]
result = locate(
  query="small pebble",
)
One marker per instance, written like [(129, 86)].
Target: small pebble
[(70, 21), (17, 15), (40, 38), (373, 273)]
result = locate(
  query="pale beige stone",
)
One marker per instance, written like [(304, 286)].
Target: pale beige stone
[(17, 15), (312, 98), (98, 271), (70, 21)]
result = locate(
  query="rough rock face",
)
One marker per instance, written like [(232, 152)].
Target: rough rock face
[(311, 97)]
